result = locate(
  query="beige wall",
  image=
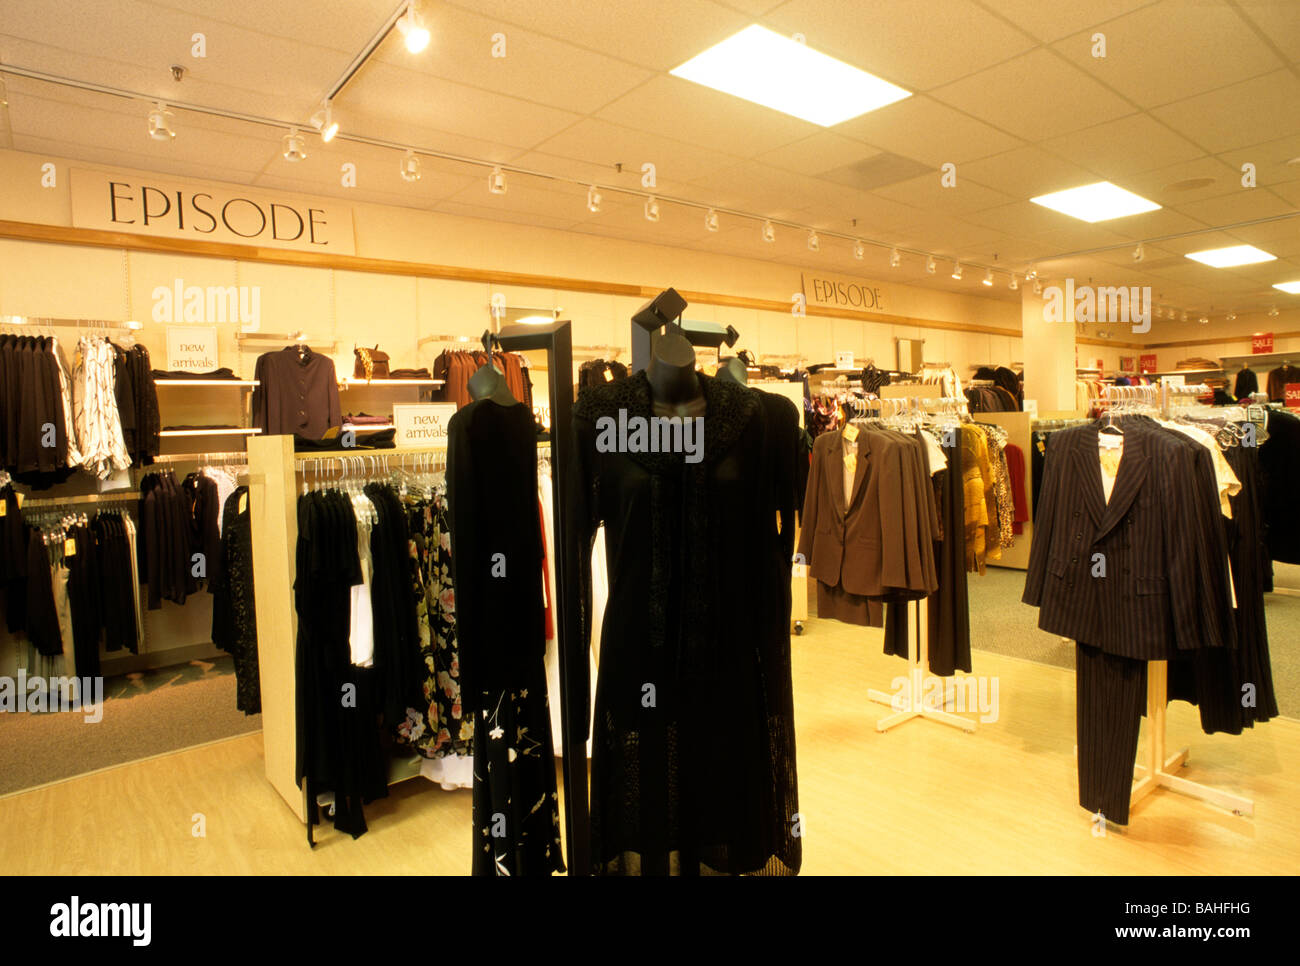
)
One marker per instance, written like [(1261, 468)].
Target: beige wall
[(66, 281)]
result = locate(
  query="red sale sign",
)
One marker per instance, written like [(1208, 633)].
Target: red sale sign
[(1293, 395), (1263, 342), (1147, 363)]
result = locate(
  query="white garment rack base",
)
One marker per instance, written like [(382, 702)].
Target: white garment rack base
[(914, 704), (1158, 772)]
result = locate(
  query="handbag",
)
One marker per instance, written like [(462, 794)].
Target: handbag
[(370, 364)]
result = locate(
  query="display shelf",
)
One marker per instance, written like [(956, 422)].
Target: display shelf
[(350, 382), (206, 383), (177, 433), (1182, 372)]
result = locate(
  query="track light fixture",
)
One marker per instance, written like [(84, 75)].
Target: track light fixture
[(652, 208), (711, 220), (1139, 253), (497, 181), (1038, 285), (929, 264), (1273, 312), (160, 128), (324, 123), (410, 166), (411, 26), (1204, 320), (895, 256), (593, 199), (293, 146), (814, 243), (956, 270), (1014, 283), (1232, 317), (988, 278), (769, 232), (1184, 315)]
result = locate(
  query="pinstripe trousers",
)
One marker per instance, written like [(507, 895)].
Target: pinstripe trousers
[(1110, 693)]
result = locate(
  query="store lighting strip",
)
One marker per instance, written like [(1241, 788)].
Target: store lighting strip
[(711, 211)]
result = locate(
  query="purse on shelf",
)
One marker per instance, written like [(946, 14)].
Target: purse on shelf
[(370, 364)]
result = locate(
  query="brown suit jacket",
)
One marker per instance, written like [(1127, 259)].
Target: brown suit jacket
[(880, 541)]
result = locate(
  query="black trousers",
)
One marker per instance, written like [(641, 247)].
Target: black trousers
[(1110, 701)]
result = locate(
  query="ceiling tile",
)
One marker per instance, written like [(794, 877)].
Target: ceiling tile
[(1245, 204), (1199, 50), (929, 193), (1048, 22), (883, 38), (1181, 184), (1250, 112), (1119, 148), (603, 144), (461, 51), (684, 111), (1035, 96), (818, 153), (929, 132), (1280, 22), (1024, 172), (659, 35)]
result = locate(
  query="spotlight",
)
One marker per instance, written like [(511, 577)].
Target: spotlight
[(1273, 312), (929, 264), (895, 257), (1031, 274), (988, 277), (410, 166), (1204, 319), (293, 146), (652, 208), (593, 199), (1014, 283), (1232, 317), (814, 243), (160, 128), (956, 270), (1139, 253), (1184, 315), (1038, 285), (497, 181), (411, 26), (769, 232), (324, 123), (711, 220)]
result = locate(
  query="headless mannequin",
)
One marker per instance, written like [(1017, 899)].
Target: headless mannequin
[(490, 383), (733, 370), (674, 386)]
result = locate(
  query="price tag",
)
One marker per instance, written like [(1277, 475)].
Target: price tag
[(4, 507), (799, 570), (850, 432), (19, 497), (69, 547), (609, 376), (243, 502)]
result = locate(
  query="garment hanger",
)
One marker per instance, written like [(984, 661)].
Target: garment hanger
[(490, 382), (733, 370)]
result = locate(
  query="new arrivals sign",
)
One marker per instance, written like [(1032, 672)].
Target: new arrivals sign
[(166, 207)]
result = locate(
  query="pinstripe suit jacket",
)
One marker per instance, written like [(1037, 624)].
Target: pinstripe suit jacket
[(1145, 574)]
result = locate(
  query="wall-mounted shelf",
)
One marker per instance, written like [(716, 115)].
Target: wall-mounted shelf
[(1183, 372), (206, 383), (350, 382), (210, 432)]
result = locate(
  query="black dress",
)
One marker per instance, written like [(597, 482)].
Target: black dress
[(693, 759), (496, 558), (234, 614)]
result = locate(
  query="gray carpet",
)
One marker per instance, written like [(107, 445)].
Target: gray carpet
[(144, 714), (1002, 624)]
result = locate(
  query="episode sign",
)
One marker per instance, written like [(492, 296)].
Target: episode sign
[(191, 349), (422, 424)]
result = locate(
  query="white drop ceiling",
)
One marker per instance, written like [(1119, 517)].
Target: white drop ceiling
[(1007, 90)]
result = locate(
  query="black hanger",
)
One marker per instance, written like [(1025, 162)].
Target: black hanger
[(733, 370), (490, 382)]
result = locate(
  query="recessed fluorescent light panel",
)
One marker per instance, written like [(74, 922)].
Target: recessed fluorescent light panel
[(1291, 288), (767, 68), (1096, 202), (1231, 257)]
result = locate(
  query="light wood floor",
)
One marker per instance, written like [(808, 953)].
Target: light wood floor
[(921, 799)]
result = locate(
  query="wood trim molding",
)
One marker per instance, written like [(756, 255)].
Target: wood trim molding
[(97, 238), (1219, 341)]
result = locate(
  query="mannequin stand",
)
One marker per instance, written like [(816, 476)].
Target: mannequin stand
[(914, 705), (1158, 770)]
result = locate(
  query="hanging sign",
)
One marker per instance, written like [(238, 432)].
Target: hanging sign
[(1147, 362), (165, 207), (844, 360), (1293, 395), (422, 424), (191, 349), (841, 292), (1263, 342)]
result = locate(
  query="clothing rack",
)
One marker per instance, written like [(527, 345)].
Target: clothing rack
[(914, 704), (1158, 770), (89, 498)]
